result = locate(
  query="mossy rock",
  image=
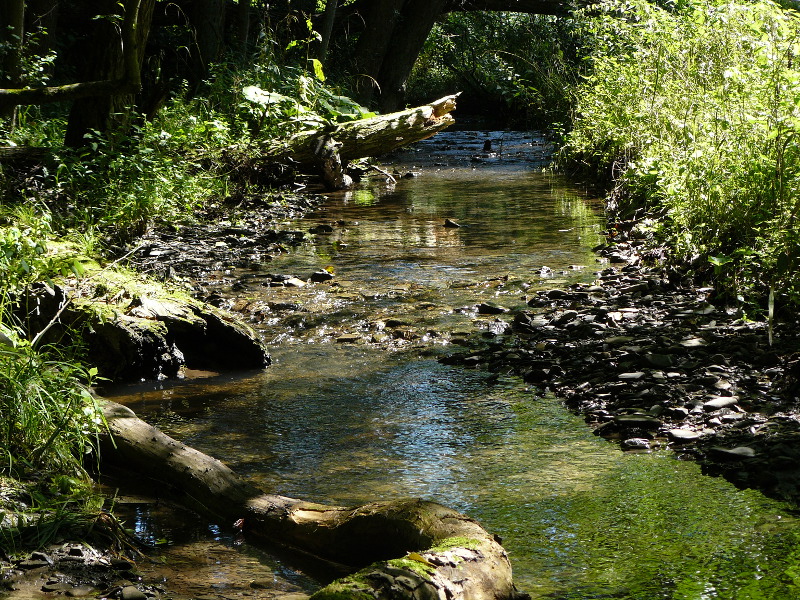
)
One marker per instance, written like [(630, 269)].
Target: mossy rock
[(135, 328)]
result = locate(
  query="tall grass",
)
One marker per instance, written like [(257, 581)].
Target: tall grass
[(694, 108), (48, 418)]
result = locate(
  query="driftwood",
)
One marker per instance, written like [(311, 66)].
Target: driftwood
[(406, 549), (331, 150)]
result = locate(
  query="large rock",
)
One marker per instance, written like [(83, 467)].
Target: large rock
[(133, 328)]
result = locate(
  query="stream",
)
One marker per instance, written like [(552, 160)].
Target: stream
[(356, 407)]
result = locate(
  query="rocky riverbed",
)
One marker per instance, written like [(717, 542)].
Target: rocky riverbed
[(650, 357)]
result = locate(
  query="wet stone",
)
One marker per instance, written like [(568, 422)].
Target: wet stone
[(490, 308), (638, 421), (131, 592), (636, 444), (718, 402), (321, 276), (633, 376), (81, 590), (731, 454), (683, 435)]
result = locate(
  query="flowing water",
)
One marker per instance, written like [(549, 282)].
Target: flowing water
[(378, 418)]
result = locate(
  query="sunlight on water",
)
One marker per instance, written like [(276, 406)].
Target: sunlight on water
[(578, 517)]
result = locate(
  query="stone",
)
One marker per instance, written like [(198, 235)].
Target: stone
[(659, 361), (131, 592), (80, 590), (683, 435), (717, 402), (564, 318), (638, 421), (321, 276), (631, 376), (449, 223), (636, 444), (348, 338), (490, 308), (731, 454), (294, 282)]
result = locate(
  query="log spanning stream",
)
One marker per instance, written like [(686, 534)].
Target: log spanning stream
[(356, 407)]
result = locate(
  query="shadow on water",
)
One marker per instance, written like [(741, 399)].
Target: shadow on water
[(346, 424)]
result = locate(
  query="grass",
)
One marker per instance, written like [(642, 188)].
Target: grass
[(693, 109)]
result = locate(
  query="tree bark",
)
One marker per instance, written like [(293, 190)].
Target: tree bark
[(243, 26), (415, 550), (328, 18), (407, 40), (208, 21), (538, 7), (373, 43)]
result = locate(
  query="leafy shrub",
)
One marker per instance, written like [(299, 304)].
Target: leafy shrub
[(695, 108), (520, 61)]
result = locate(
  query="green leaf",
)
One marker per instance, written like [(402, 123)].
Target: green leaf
[(318, 72), (264, 98)]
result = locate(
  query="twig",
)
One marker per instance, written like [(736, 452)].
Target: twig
[(386, 174)]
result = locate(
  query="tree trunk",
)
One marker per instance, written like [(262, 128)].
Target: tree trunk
[(415, 550), (119, 61), (208, 21), (407, 40), (373, 43), (12, 25), (328, 18), (243, 26)]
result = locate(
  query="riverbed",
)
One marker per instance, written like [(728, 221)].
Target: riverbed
[(356, 407)]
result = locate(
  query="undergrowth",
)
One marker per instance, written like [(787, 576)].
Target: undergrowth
[(694, 109)]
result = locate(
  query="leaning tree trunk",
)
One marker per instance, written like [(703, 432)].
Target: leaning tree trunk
[(405, 549), (407, 40)]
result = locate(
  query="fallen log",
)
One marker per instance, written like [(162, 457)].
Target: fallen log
[(330, 150), (399, 550)]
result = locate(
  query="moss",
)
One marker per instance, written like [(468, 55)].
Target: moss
[(410, 564), (352, 587), (456, 542)]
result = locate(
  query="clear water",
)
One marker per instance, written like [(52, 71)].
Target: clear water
[(347, 424)]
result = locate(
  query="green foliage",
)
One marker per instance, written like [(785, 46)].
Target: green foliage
[(48, 415), (695, 108), (523, 62)]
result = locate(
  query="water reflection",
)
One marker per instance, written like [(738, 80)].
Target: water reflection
[(578, 517)]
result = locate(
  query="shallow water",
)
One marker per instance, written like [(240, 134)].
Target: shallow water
[(346, 424)]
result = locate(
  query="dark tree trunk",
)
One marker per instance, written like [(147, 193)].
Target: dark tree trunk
[(379, 19), (108, 112), (12, 24), (243, 26), (208, 21), (328, 19), (407, 40)]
